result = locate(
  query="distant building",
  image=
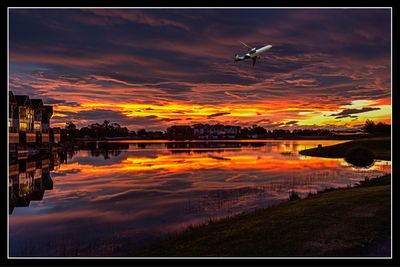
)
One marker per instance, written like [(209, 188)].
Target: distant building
[(217, 131), (201, 131), (232, 132), (180, 133)]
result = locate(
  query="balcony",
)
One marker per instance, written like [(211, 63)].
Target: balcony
[(45, 138), (13, 138), (13, 169), (30, 166), (30, 137), (22, 154), (57, 138)]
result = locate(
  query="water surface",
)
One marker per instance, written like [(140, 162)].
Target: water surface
[(109, 200)]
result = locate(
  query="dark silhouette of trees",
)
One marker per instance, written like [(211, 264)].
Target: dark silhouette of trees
[(254, 131), (108, 129), (71, 130), (280, 133), (141, 133), (96, 130), (70, 125), (377, 129)]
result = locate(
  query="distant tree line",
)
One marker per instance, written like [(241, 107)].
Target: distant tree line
[(261, 132), (96, 130), (110, 130)]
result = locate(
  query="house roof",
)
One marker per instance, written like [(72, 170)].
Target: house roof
[(48, 110), (37, 103), (23, 100), (11, 98)]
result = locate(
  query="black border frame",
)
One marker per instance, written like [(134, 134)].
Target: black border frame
[(206, 262)]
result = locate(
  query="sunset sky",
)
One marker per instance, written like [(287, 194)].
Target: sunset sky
[(153, 68)]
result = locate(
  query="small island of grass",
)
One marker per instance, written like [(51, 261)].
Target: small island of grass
[(378, 146)]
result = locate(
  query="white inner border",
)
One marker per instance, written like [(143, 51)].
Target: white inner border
[(391, 118)]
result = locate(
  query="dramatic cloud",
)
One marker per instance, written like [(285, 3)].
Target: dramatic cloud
[(218, 114), (291, 122), (104, 16), (348, 112), (152, 68)]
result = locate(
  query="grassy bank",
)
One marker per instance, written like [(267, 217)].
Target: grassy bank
[(379, 146), (343, 222)]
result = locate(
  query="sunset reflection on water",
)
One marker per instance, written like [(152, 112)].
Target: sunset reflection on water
[(110, 202)]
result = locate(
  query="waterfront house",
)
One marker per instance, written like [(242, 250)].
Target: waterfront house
[(47, 113), (25, 117), (231, 132), (217, 131), (220, 131), (13, 136), (38, 110), (29, 124), (28, 181), (201, 131), (12, 113)]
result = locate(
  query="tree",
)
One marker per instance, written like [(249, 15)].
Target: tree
[(106, 123), (369, 126), (72, 132), (141, 132), (379, 128), (258, 130), (70, 125)]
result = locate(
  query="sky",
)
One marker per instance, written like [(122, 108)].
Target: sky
[(153, 68)]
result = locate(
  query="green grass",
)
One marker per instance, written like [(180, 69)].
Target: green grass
[(379, 146), (342, 222)]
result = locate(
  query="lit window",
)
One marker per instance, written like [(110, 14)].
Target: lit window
[(23, 125)]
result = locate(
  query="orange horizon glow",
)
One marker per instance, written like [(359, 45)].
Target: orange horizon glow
[(176, 113)]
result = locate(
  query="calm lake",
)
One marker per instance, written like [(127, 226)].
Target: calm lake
[(107, 201)]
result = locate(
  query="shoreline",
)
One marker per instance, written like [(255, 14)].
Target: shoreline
[(311, 138), (335, 222)]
